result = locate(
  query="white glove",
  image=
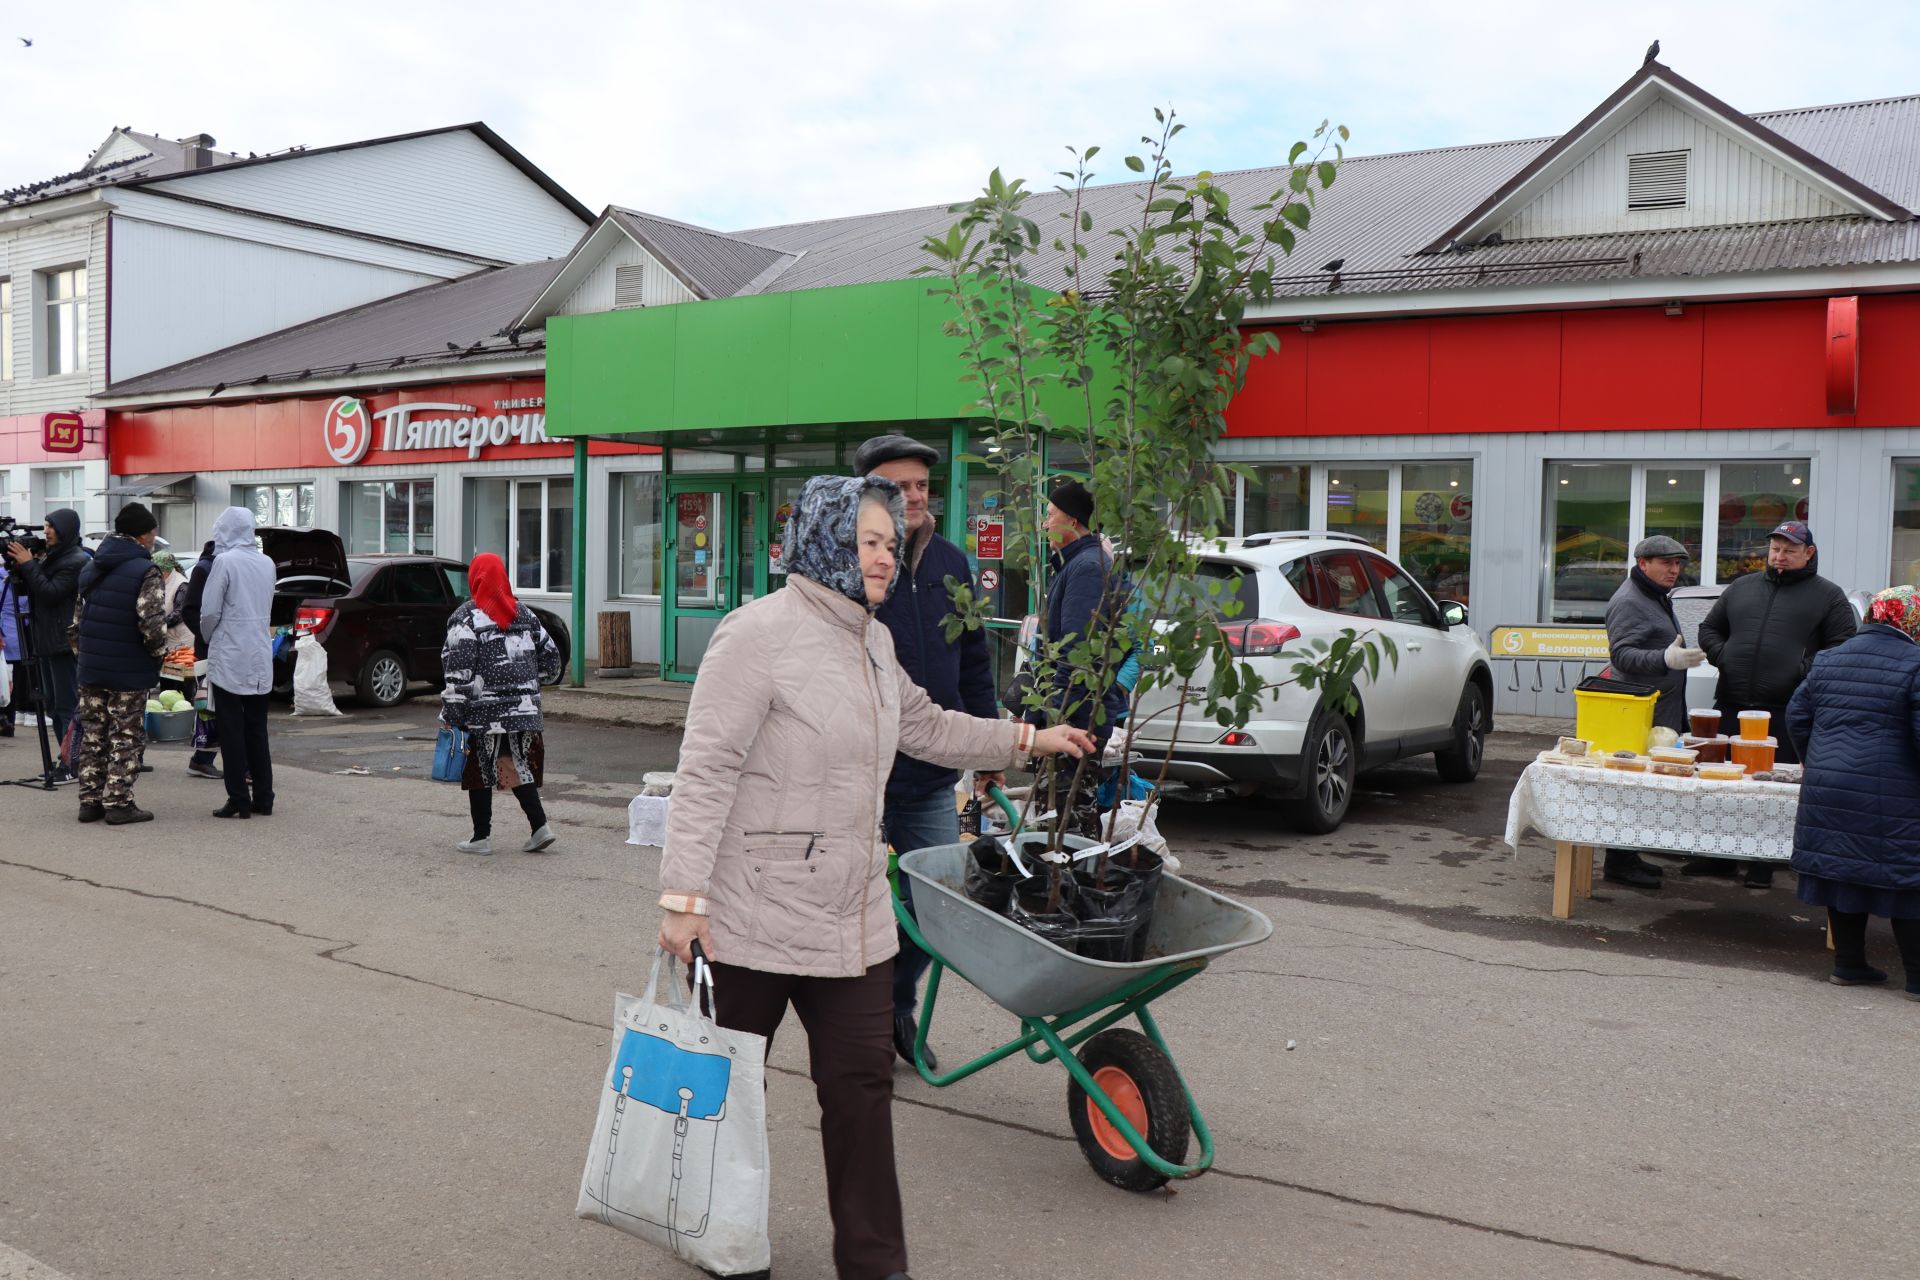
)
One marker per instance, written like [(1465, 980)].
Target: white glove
[(1679, 657)]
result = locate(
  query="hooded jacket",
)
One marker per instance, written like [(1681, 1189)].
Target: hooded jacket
[(1765, 629), (1856, 719), (123, 617), (956, 674), (1640, 626), (236, 606), (1084, 583), (53, 583), (791, 734)]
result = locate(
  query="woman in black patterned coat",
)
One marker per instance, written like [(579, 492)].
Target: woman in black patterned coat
[(496, 657)]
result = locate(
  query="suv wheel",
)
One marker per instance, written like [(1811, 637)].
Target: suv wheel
[(383, 680), (1461, 761), (1328, 765)]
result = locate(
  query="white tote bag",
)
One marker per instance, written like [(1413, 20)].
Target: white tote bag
[(679, 1151)]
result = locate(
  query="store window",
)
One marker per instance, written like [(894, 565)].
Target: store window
[(286, 506), (527, 522), (636, 534), (1721, 512), (6, 494), (65, 331), (60, 484), (1421, 513), (1277, 499), (394, 516), (6, 331), (1754, 498), (1905, 569)]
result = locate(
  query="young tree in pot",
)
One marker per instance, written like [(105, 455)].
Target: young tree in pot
[(1125, 367)]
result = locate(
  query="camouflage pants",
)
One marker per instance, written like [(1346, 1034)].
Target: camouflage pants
[(113, 729)]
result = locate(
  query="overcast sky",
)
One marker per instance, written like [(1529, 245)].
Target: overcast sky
[(740, 113)]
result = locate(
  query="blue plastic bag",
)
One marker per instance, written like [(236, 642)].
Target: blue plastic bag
[(449, 754)]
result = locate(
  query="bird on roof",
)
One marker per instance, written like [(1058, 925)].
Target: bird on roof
[(1653, 51), (1335, 265), (453, 346)]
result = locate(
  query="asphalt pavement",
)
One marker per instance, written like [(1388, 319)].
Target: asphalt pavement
[(326, 1044)]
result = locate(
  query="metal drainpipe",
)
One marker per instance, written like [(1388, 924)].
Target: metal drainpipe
[(579, 562)]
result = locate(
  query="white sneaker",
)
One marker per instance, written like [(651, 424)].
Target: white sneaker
[(475, 846), (541, 839)]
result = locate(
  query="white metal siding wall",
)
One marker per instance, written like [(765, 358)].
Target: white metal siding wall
[(1850, 501), (595, 293), (271, 231), (450, 190), (79, 242), (179, 294), (1728, 183)]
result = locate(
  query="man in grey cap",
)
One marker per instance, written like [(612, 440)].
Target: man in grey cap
[(1644, 643), (956, 674)]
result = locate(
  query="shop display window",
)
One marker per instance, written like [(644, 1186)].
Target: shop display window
[(636, 534), (1905, 569), (1676, 506), (60, 484), (1277, 499), (1590, 535), (1419, 513), (1357, 501), (1754, 498), (284, 506), (394, 516), (528, 523), (1436, 527)]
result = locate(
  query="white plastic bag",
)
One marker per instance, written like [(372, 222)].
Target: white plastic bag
[(1128, 822), (311, 695), (679, 1151), (647, 820)]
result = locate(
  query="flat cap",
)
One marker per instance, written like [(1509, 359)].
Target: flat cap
[(1660, 547), (890, 447)]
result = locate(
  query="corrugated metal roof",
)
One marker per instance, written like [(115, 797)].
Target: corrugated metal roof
[(164, 158), (711, 263), (1382, 209), (411, 330)]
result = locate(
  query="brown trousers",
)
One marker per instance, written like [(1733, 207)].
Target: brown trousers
[(849, 1025)]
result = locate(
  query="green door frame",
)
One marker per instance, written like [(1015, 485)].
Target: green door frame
[(732, 487)]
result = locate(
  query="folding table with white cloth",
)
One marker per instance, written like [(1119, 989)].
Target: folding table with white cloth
[(1586, 809)]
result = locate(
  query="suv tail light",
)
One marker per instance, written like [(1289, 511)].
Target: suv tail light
[(1260, 637), (311, 620)]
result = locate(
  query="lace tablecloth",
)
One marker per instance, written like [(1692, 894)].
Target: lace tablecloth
[(1607, 808)]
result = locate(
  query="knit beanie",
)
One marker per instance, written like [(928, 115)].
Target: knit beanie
[(134, 520), (1073, 498)]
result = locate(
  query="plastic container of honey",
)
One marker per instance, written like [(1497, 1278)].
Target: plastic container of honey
[(1720, 772), (1673, 755), (1755, 724), (1755, 755), (1707, 750), (1705, 723), (1628, 762)]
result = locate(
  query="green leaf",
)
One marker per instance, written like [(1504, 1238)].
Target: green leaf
[(1299, 149), (1297, 214), (1136, 164), (1326, 173)]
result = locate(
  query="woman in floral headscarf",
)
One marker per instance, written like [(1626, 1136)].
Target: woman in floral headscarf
[(1856, 844)]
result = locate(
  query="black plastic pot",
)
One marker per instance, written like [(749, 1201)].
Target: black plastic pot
[(1115, 908), (1028, 909), (990, 875)]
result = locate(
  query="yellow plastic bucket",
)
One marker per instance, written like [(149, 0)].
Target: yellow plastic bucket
[(1614, 721)]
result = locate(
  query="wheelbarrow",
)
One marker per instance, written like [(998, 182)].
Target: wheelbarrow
[(1130, 1108)]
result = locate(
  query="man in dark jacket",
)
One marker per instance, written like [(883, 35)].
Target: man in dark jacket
[(1084, 591), (122, 625), (1644, 643), (956, 674), (1763, 634), (51, 583), (201, 764)]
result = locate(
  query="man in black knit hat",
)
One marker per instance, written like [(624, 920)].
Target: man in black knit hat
[(1083, 593), (121, 624)]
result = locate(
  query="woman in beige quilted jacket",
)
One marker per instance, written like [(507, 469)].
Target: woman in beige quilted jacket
[(774, 861)]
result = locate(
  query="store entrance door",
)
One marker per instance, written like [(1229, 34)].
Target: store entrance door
[(716, 561)]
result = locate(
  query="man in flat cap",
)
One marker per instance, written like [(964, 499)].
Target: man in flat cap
[(122, 628), (1644, 643), (956, 674), (1763, 633)]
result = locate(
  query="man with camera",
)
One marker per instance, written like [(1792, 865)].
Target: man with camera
[(50, 584)]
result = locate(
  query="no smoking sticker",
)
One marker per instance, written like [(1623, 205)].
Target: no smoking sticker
[(989, 579)]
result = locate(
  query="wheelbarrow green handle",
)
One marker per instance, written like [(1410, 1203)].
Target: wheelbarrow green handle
[(999, 797)]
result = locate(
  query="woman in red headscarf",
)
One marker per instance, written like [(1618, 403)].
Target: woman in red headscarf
[(496, 658)]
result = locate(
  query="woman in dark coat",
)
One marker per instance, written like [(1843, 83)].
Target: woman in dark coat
[(1856, 843), (496, 657)]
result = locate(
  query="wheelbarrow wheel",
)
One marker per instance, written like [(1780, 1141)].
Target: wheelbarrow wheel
[(1146, 1090)]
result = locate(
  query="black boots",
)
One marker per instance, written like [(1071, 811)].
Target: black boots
[(904, 1029), (1624, 866)]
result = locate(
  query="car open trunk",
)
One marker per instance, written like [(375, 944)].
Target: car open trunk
[(309, 564)]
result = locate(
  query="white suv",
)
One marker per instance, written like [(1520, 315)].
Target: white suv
[(1296, 587)]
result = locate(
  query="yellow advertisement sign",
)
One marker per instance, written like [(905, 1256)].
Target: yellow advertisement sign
[(1587, 643)]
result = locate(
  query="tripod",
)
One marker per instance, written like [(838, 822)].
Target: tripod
[(36, 666)]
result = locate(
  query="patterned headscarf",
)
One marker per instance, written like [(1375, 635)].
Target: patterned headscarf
[(165, 563), (823, 540), (1897, 607)]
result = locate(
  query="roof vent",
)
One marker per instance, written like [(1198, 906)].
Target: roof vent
[(629, 284), (1657, 180), (198, 151)]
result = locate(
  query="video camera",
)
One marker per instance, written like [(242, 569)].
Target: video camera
[(28, 536)]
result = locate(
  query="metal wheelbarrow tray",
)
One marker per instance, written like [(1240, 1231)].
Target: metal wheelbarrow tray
[(1130, 1108)]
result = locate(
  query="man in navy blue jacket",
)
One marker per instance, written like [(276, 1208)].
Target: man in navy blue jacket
[(1084, 591), (957, 675)]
